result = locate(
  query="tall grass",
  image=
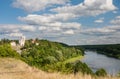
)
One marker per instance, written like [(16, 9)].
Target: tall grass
[(15, 69)]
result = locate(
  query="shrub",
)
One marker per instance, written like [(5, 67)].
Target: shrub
[(101, 72), (7, 51)]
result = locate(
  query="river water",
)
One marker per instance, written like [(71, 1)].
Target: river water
[(96, 61)]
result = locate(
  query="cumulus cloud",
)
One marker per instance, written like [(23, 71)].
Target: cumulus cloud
[(15, 27), (15, 34), (53, 23), (38, 19), (108, 30), (61, 21), (69, 32), (15, 30), (101, 20), (118, 17), (37, 5), (101, 40), (88, 8), (116, 21), (59, 29), (102, 35), (51, 20)]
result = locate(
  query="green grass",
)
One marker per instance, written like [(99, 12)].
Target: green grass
[(71, 60)]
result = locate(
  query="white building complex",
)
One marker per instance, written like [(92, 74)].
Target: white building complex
[(13, 44), (22, 41)]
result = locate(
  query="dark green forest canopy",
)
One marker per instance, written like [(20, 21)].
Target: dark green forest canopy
[(112, 50)]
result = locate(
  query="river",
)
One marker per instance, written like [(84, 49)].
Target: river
[(96, 61)]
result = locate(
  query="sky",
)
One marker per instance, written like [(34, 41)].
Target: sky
[(74, 22)]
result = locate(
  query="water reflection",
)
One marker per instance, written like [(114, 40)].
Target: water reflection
[(97, 61)]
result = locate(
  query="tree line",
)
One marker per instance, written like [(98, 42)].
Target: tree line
[(112, 50)]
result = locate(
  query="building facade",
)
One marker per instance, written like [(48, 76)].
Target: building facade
[(22, 41)]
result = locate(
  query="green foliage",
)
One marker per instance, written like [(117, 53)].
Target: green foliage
[(118, 74), (53, 56), (49, 56), (101, 72), (79, 66), (7, 51), (4, 41), (76, 67)]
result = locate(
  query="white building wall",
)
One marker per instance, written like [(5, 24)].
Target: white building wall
[(22, 41)]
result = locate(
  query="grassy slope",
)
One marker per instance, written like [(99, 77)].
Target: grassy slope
[(16, 69), (73, 59)]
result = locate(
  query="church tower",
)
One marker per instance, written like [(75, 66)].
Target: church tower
[(22, 41)]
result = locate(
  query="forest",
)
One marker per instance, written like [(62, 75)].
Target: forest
[(112, 50)]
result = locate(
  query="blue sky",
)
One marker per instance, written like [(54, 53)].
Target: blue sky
[(77, 22)]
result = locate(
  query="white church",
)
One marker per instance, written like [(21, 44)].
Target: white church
[(18, 46), (22, 41)]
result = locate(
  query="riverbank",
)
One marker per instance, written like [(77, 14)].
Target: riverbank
[(96, 61)]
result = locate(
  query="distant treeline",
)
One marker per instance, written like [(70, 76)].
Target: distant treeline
[(112, 50)]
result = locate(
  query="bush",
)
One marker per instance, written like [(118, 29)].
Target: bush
[(7, 51), (101, 72), (82, 67)]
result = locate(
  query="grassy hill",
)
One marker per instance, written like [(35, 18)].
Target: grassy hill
[(48, 56), (11, 68)]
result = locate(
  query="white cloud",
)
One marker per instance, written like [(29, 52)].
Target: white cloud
[(116, 21), (49, 29), (15, 30), (51, 20), (118, 17), (102, 40), (36, 5), (104, 35), (28, 28), (60, 22), (54, 24), (15, 34), (101, 20), (15, 27), (88, 8), (38, 19), (42, 28), (71, 32), (59, 29), (108, 30)]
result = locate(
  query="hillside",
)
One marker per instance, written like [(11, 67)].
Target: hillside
[(11, 68), (48, 56), (51, 58), (54, 57)]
